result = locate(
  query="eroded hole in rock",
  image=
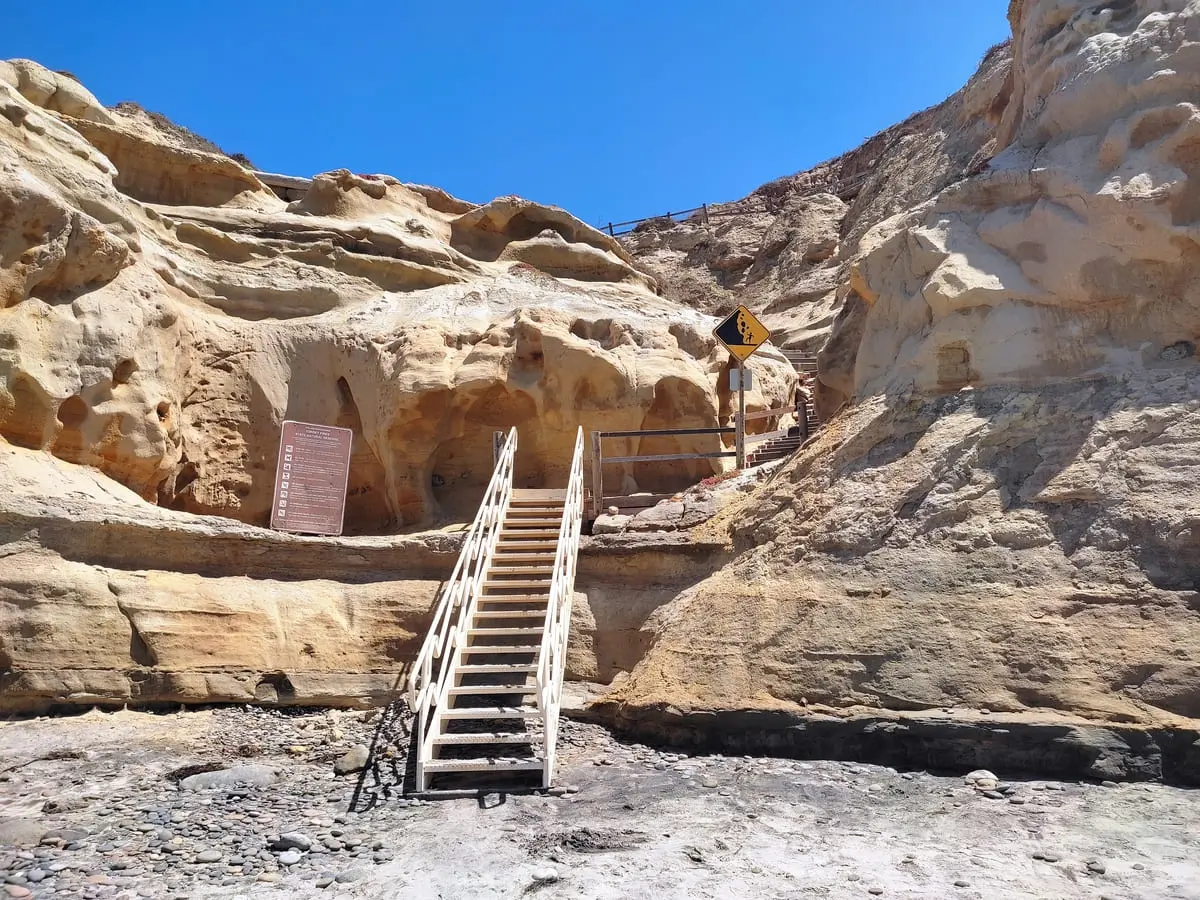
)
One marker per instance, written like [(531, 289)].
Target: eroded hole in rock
[(1178, 350), (463, 465), (367, 507), (124, 371), (171, 493), (524, 226), (163, 410), (73, 412), (274, 688), (1185, 205), (954, 366), (25, 425), (139, 651), (1156, 125)]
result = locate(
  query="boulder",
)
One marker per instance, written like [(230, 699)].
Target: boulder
[(353, 760), (237, 776)]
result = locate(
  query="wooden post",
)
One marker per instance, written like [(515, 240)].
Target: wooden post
[(610, 230), (740, 437), (597, 473)]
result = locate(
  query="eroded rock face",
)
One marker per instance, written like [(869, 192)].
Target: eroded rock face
[(163, 312), (1006, 515), (107, 599), (1075, 252)]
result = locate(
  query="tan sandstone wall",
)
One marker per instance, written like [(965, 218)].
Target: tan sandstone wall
[(1008, 517)]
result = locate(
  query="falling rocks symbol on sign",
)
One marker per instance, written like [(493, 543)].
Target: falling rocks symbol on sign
[(742, 333)]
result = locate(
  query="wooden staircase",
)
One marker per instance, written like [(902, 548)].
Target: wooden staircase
[(489, 718), (776, 447), (787, 442), (491, 701)]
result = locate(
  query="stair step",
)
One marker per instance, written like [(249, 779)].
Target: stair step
[(485, 737), (516, 599), (491, 712), (539, 495), (502, 556), (437, 766), (498, 632), (547, 512), (531, 521), (481, 689), (517, 583), (510, 614), (521, 570), (503, 649), (509, 543), (496, 668), (525, 533)]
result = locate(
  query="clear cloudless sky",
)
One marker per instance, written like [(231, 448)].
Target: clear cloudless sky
[(613, 110)]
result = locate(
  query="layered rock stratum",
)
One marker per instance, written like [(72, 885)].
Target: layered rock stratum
[(162, 311), (1006, 515), (1001, 515)]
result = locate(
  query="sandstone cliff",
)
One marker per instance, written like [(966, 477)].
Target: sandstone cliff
[(162, 311), (1008, 517), (1004, 514)]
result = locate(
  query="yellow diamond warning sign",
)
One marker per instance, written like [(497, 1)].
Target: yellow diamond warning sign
[(741, 333)]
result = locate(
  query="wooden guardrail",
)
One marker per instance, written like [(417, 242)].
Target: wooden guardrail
[(846, 190), (777, 412), (615, 228), (599, 461), (552, 659)]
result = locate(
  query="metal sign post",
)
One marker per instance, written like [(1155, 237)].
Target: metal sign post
[(742, 334), (740, 437)]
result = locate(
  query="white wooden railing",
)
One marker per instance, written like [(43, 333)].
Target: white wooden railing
[(448, 632), (552, 661)]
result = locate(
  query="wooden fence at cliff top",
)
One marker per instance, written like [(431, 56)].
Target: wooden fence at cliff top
[(846, 190)]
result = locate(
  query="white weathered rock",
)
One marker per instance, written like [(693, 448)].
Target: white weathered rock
[(353, 760), (610, 524), (254, 776)]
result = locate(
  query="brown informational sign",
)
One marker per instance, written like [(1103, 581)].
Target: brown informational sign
[(310, 479)]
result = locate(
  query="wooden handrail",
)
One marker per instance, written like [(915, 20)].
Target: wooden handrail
[(552, 660), (765, 436), (428, 681), (599, 460), (608, 460), (663, 432), (771, 413)]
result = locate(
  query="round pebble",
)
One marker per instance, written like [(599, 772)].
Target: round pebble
[(289, 857)]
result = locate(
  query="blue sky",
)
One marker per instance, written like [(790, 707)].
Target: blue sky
[(613, 110)]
